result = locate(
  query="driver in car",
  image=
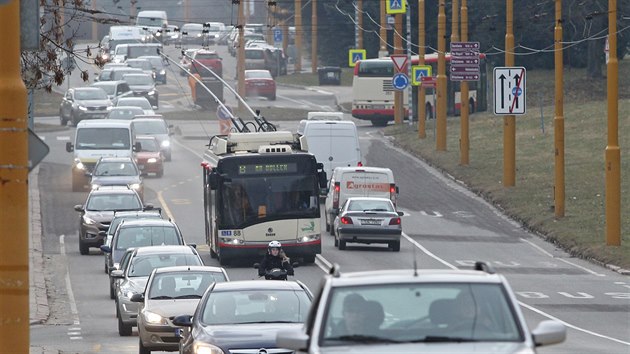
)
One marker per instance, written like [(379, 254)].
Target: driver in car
[(275, 258)]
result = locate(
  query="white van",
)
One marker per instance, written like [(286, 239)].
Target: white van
[(95, 139), (125, 35), (153, 21), (347, 182), (324, 116), (334, 143)]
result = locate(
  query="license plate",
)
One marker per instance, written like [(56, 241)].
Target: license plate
[(260, 84), (370, 222)]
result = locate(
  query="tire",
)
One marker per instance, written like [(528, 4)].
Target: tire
[(395, 246), (106, 272), (213, 254), (332, 230), (74, 119), (272, 98), (142, 349), (342, 245), (167, 157), (123, 329), (309, 259), (223, 260), (112, 293), (327, 226), (83, 248), (336, 242), (379, 123)]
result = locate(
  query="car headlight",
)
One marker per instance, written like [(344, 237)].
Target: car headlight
[(151, 317), (88, 221), (204, 348), (109, 108), (157, 34), (152, 160), (162, 72), (233, 241), (198, 34), (79, 165), (166, 143), (82, 108), (134, 186), (151, 93), (129, 294), (95, 186), (309, 238)]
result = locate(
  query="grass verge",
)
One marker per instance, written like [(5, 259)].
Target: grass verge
[(308, 79)]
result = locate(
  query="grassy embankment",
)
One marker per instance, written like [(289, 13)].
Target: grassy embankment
[(531, 201)]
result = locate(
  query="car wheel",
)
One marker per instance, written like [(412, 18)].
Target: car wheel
[(309, 259), (379, 122), (167, 156), (342, 245), (327, 226), (83, 248), (123, 329), (142, 349), (106, 272), (332, 229), (223, 260), (74, 118), (395, 246), (213, 254), (336, 242), (112, 293)]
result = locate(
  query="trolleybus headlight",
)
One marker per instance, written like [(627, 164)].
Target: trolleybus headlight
[(309, 238)]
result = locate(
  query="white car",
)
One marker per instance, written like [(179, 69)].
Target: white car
[(137, 102)]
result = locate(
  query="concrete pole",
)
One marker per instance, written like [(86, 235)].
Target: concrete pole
[(464, 143), (240, 54), (314, 37), (422, 117), (382, 51), (509, 121), (94, 24), (14, 285), (613, 153), (360, 23), (558, 120), (440, 140), (399, 109), (298, 36)]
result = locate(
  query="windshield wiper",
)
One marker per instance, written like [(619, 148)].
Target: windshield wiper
[(161, 297), (362, 338), (375, 210), (446, 339), (190, 296), (267, 322)]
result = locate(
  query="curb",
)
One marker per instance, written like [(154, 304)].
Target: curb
[(38, 298)]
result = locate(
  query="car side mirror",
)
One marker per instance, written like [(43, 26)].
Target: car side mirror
[(549, 332), (79, 208), (117, 274), (397, 190), (193, 245), (137, 147), (256, 265), (149, 207), (183, 321), (69, 147), (400, 213), (95, 78), (106, 249), (137, 298)]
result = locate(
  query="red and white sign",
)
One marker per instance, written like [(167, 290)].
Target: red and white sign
[(428, 81), (400, 62)]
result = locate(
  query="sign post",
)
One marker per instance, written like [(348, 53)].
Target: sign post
[(509, 90)]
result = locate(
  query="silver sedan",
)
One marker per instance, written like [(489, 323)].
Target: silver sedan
[(368, 220)]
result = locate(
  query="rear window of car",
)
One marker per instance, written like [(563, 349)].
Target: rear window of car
[(207, 56), (142, 236), (254, 54), (142, 266)]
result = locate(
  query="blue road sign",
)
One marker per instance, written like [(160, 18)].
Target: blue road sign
[(400, 81), (355, 55), (396, 7), (277, 35)]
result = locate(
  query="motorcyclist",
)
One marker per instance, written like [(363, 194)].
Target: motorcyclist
[(275, 258)]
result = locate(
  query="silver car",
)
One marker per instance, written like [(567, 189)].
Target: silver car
[(418, 311), (84, 103), (368, 220)]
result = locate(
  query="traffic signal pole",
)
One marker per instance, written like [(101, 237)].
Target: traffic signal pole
[(240, 63), (558, 120), (298, 36), (509, 121), (440, 140), (422, 112), (399, 109), (314, 37), (382, 50), (14, 281)]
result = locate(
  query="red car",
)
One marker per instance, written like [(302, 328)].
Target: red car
[(150, 158), (260, 83), (208, 58)]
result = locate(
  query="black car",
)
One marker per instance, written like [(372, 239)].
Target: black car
[(98, 212), (117, 171), (143, 85), (244, 316)]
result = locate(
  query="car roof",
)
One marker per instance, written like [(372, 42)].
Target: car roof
[(123, 99), (257, 285), (188, 268), (153, 119), (369, 198), (205, 51), (112, 190), (146, 137), (127, 107), (147, 222), (399, 276), (87, 88), (164, 249), (107, 83), (137, 75), (104, 123), (135, 213), (115, 159)]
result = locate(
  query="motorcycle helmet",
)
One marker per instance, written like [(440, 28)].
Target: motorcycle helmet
[(274, 244)]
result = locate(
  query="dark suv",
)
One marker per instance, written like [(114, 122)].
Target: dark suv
[(98, 212)]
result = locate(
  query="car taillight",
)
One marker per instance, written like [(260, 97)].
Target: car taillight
[(336, 195), (392, 193), (345, 220), (394, 221), (360, 164)]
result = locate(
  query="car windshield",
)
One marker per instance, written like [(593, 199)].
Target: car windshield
[(140, 236), (150, 128), (111, 202), (103, 138), (255, 306), (140, 64), (109, 89), (142, 266), (144, 80), (148, 145), (115, 169), (182, 285), (125, 113), (370, 205), (257, 75), (429, 312), (136, 102), (118, 219), (95, 94), (118, 74), (156, 62), (254, 54), (200, 56)]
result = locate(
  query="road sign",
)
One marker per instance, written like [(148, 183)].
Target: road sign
[(418, 72), (37, 150), (464, 61), (465, 77), (465, 69), (396, 6), (354, 55), (509, 90), (400, 81), (429, 81), (277, 35), (400, 62), (464, 46)]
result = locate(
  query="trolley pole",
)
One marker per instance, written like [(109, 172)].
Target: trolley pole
[(240, 63), (464, 158), (14, 288), (613, 153), (440, 141), (422, 112), (558, 120), (314, 37), (399, 109), (509, 121), (382, 50), (298, 36)]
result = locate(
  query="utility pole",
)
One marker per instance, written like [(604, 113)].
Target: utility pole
[(360, 24), (613, 153), (271, 7), (464, 158), (14, 281), (422, 116), (132, 11), (382, 51), (409, 93), (240, 63), (94, 24), (509, 121), (399, 108), (298, 36), (314, 37), (440, 140), (558, 120)]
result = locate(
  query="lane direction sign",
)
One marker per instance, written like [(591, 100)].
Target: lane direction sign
[(400, 62), (400, 81), (396, 6), (418, 72), (355, 55), (509, 90)]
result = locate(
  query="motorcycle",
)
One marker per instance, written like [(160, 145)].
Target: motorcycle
[(275, 273)]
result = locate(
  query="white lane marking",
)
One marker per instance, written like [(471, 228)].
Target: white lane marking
[(427, 252), (63, 138), (301, 103), (73, 332), (541, 250)]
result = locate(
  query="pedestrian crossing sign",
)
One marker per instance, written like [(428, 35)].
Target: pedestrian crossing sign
[(354, 55), (417, 72), (396, 6)]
